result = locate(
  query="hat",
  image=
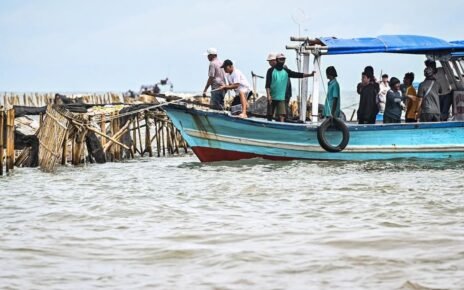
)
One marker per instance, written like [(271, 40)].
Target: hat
[(227, 62), (271, 56), (280, 55), (210, 51)]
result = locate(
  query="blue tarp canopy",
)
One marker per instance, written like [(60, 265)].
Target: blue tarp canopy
[(409, 44)]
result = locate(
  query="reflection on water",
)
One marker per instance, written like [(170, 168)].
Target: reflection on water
[(175, 223)]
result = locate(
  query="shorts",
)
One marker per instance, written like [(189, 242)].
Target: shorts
[(278, 108)]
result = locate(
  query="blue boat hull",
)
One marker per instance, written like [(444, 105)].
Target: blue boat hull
[(216, 136)]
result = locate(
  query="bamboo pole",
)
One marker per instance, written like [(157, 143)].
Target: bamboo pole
[(118, 147), (10, 140), (147, 136), (174, 138), (64, 154), (1, 141), (112, 132), (113, 139), (168, 138), (162, 137), (79, 146), (140, 135), (157, 130), (134, 135), (103, 128), (73, 145)]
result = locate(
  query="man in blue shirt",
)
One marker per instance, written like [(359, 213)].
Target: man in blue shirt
[(332, 102), (277, 79)]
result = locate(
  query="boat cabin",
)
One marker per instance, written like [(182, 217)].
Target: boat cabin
[(449, 54)]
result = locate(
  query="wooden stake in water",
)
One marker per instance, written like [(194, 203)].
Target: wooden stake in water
[(10, 140), (147, 136), (1, 141)]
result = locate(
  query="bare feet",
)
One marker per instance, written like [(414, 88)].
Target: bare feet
[(243, 115)]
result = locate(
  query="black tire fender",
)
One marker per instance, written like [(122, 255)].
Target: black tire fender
[(337, 124)]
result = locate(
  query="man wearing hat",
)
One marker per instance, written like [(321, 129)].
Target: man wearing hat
[(271, 59), (277, 79), (215, 80), (237, 82)]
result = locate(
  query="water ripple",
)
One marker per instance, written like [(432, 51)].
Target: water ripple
[(174, 223)]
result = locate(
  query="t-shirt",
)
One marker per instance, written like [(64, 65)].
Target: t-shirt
[(431, 101), (443, 80), (215, 71), (412, 105), (237, 77), (393, 107), (333, 93), (384, 88), (277, 81)]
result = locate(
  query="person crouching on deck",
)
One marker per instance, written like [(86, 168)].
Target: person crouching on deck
[(332, 102), (237, 82), (277, 79)]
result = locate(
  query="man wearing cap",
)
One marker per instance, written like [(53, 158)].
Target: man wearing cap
[(215, 80), (271, 59), (237, 82), (277, 79)]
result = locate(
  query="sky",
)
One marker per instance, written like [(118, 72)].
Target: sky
[(83, 45)]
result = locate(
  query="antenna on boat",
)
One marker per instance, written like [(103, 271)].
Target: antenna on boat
[(299, 16)]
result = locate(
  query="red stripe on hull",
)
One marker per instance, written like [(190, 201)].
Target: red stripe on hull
[(206, 154)]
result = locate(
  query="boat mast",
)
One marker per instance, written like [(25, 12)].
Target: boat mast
[(304, 87), (315, 93)]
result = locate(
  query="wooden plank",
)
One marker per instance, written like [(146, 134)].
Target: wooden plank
[(52, 134), (10, 140), (110, 138)]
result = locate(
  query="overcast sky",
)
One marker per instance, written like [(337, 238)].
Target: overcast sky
[(83, 45)]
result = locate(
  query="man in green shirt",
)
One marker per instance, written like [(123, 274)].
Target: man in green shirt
[(332, 102), (277, 79)]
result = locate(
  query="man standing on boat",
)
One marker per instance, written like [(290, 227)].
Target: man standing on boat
[(215, 80), (332, 102), (384, 88), (412, 102), (271, 59), (368, 109), (237, 82), (277, 79), (429, 97)]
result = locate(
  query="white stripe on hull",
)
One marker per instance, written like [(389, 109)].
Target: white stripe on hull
[(317, 148)]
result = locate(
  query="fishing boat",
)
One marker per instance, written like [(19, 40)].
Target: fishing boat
[(219, 136)]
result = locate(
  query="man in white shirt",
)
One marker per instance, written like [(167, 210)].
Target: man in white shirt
[(384, 88), (237, 82)]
